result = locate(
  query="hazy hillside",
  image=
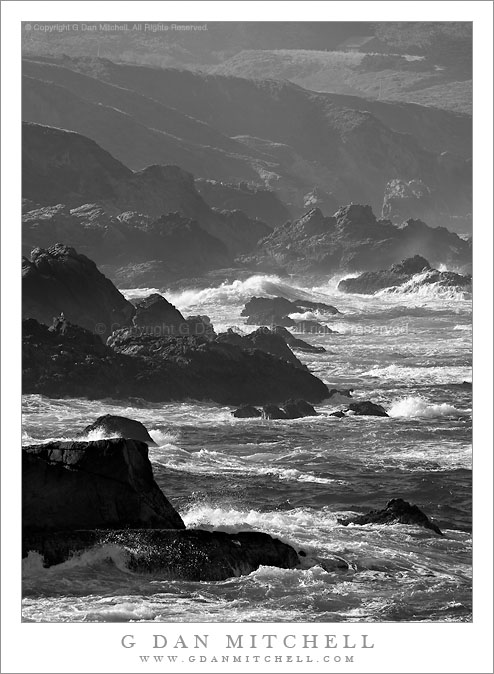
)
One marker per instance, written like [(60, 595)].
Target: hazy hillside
[(393, 77), (271, 133), (61, 167), (390, 60)]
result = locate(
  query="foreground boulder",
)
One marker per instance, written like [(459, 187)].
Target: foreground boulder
[(70, 361), (191, 554), (367, 408), (122, 427), (106, 484), (275, 310), (372, 281), (397, 511), (59, 281)]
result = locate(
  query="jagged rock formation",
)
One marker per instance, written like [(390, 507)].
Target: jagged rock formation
[(264, 340), (66, 360), (127, 244), (62, 167), (352, 239), (107, 484), (401, 274), (397, 511), (59, 280)]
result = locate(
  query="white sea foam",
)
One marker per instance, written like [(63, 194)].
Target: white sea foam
[(416, 406), (418, 286), (423, 374), (238, 292)]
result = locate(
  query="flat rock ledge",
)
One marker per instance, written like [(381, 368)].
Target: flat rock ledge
[(190, 554)]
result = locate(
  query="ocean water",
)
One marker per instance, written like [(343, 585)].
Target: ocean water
[(408, 351)]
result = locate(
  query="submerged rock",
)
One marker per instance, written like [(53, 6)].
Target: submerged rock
[(397, 511), (190, 554), (274, 311), (122, 427), (272, 412), (297, 409), (103, 484), (247, 412), (367, 408)]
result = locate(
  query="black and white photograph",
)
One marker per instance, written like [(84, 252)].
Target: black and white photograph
[(246, 305)]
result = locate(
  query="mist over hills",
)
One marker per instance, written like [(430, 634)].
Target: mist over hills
[(287, 147), (272, 134), (412, 61), (151, 227)]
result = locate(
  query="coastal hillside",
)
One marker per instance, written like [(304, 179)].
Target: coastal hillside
[(270, 133)]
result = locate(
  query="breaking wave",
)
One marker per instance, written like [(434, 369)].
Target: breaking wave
[(418, 286), (238, 292), (416, 406)]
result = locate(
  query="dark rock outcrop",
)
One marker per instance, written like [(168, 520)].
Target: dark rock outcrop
[(156, 315), (397, 511), (291, 409), (61, 281), (190, 554), (69, 361), (115, 426), (62, 167), (353, 239), (264, 340), (102, 484), (403, 272), (297, 409), (274, 311), (273, 412), (247, 412), (338, 414), (367, 408), (295, 343), (133, 249)]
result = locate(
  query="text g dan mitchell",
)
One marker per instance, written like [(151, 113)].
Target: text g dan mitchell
[(251, 641)]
